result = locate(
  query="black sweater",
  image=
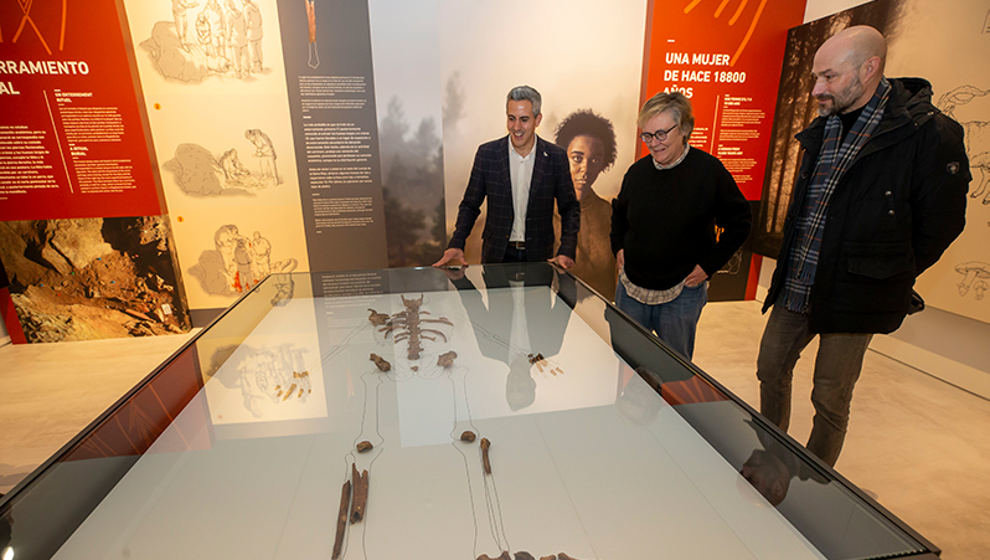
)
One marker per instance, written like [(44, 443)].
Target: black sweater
[(665, 220)]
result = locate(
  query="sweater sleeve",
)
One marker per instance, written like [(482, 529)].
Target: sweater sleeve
[(733, 216)]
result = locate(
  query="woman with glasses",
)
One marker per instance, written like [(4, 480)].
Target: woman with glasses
[(677, 220)]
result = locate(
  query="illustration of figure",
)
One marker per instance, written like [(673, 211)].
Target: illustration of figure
[(214, 19), (225, 240), (976, 135), (237, 38), (203, 31), (589, 141), (254, 34), (314, 55), (239, 263), (265, 152), (261, 251), (233, 169), (244, 279), (182, 16)]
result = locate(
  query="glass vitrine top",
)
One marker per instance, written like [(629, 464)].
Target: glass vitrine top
[(441, 414)]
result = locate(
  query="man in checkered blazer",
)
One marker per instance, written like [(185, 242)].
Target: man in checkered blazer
[(521, 175)]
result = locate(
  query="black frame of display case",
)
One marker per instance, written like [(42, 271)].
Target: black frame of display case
[(38, 503)]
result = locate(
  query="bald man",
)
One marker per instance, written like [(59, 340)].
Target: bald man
[(880, 195)]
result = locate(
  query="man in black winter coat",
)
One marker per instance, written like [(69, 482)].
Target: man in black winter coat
[(880, 195)]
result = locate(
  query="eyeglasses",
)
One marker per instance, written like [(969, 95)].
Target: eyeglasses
[(659, 135)]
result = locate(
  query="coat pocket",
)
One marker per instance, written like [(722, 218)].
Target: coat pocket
[(879, 261)]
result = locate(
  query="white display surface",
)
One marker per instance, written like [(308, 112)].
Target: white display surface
[(570, 472)]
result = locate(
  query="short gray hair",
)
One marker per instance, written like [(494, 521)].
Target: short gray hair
[(525, 93), (674, 102)]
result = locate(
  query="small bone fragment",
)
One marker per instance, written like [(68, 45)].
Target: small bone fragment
[(381, 362), (446, 359), (551, 557), (468, 436), (503, 556), (292, 389), (360, 501), (523, 555), (414, 368), (376, 318), (345, 501), (364, 446), (485, 444), (562, 556)]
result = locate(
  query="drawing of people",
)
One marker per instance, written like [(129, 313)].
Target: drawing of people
[(233, 169), (203, 31), (261, 251), (265, 152), (244, 279), (182, 17), (215, 20), (254, 33), (225, 241), (237, 40)]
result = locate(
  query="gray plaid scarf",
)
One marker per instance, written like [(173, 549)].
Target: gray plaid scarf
[(835, 158)]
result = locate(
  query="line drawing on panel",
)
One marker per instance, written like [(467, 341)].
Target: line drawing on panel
[(974, 276), (976, 136), (210, 39), (197, 172), (237, 263)]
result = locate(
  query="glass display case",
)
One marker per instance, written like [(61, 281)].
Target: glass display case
[(502, 411)]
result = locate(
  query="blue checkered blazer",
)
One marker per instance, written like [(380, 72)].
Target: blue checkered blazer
[(490, 178)]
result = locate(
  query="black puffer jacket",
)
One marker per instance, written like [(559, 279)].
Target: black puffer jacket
[(893, 213)]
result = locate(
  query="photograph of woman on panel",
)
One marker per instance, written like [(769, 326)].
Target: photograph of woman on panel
[(589, 140), (664, 225)]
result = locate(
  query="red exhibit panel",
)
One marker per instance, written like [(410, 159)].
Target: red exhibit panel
[(725, 56), (72, 143)]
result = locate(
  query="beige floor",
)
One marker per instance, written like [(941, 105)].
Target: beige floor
[(917, 443), (50, 392)]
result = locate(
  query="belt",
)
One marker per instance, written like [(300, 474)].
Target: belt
[(517, 245)]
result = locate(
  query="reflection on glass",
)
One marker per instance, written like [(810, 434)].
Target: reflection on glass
[(589, 424)]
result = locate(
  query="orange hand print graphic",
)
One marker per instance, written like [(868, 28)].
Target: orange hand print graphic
[(27, 22)]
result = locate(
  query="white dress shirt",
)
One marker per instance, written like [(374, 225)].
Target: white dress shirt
[(521, 175)]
